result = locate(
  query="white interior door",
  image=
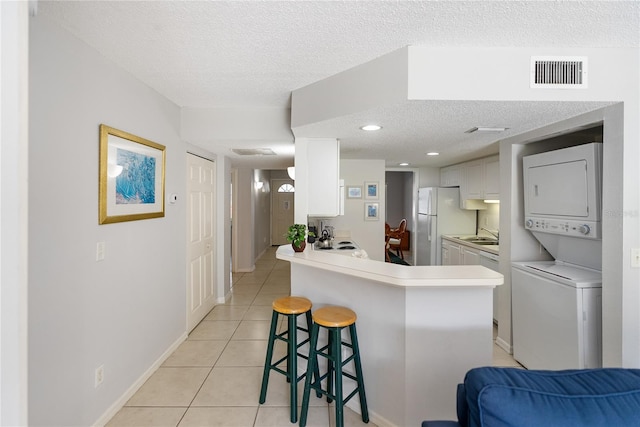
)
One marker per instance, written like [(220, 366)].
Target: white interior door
[(282, 198), (200, 213)]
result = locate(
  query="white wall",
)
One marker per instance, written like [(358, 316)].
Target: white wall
[(223, 227), (368, 234), (489, 218), (262, 217), (350, 91), (13, 212), (244, 212), (123, 312)]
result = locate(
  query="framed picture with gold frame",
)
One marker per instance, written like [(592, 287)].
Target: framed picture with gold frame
[(131, 177)]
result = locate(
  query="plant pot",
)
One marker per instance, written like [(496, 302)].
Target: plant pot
[(299, 248)]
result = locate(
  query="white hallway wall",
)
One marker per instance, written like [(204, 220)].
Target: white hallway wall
[(13, 212), (244, 212), (123, 312)]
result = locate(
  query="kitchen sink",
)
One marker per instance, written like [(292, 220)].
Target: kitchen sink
[(476, 239), (479, 240)]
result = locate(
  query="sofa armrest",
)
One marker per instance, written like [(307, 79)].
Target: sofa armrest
[(587, 397)]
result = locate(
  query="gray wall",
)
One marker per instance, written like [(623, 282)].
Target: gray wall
[(123, 312), (252, 220), (399, 201)]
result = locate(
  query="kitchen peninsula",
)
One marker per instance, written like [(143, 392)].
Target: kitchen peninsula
[(420, 329)]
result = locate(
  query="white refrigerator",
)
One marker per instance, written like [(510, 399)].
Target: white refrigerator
[(439, 213)]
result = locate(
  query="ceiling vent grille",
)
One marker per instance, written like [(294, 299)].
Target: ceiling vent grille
[(254, 151), (559, 72)]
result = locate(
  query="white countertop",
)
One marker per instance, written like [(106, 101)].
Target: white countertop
[(394, 274), (494, 249)]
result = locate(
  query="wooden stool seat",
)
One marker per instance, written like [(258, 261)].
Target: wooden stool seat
[(292, 305), (334, 317)]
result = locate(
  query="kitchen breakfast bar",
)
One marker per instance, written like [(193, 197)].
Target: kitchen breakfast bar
[(420, 329)]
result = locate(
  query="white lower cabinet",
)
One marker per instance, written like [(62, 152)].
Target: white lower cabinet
[(457, 254), (470, 256), (451, 253)]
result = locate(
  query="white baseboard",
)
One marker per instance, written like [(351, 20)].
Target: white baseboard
[(119, 404), (504, 345), (225, 299), (245, 270), (374, 418), (263, 252)]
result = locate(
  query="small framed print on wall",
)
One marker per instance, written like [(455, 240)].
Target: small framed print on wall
[(371, 190), (371, 211), (354, 192)]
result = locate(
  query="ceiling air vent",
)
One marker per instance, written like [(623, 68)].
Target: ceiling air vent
[(559, 72), (254, 151)]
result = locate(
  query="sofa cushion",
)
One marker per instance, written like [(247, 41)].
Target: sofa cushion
[(514, 397)]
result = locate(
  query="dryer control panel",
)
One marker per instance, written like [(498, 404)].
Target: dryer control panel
[(583, 229)]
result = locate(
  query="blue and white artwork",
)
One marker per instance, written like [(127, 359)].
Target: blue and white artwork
[(137, 182)]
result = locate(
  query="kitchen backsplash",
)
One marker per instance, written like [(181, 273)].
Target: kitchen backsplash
[(489, 218)]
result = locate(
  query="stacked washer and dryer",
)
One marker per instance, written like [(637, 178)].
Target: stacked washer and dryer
[(557, 305)]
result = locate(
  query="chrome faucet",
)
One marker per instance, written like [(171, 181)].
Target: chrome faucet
[(495, 234)]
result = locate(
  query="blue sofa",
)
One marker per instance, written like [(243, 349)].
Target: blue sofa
[(511, 397)]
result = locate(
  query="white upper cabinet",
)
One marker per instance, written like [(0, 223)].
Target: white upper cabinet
[(478, 180), (451, 176), (323, 173), (473, 184), (492, 178)]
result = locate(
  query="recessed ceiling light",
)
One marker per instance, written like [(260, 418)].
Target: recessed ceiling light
[(371, 127), (433, 153), (485, 129), (404, 164)]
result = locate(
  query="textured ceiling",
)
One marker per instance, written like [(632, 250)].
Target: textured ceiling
[(254, 53)]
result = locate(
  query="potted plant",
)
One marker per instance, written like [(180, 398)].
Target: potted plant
[(296, 234)]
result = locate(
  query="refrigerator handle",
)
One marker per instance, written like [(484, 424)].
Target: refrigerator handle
[(429, 231)]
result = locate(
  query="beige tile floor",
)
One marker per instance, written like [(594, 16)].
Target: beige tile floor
[(214, 377)]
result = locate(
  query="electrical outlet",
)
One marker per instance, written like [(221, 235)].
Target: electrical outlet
[(635, 257), (99, 376)]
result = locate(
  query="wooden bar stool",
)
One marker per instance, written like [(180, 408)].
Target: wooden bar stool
[(291, 307), (334, 319)]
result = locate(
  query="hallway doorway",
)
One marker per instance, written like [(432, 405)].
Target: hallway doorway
[(282, 202)]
